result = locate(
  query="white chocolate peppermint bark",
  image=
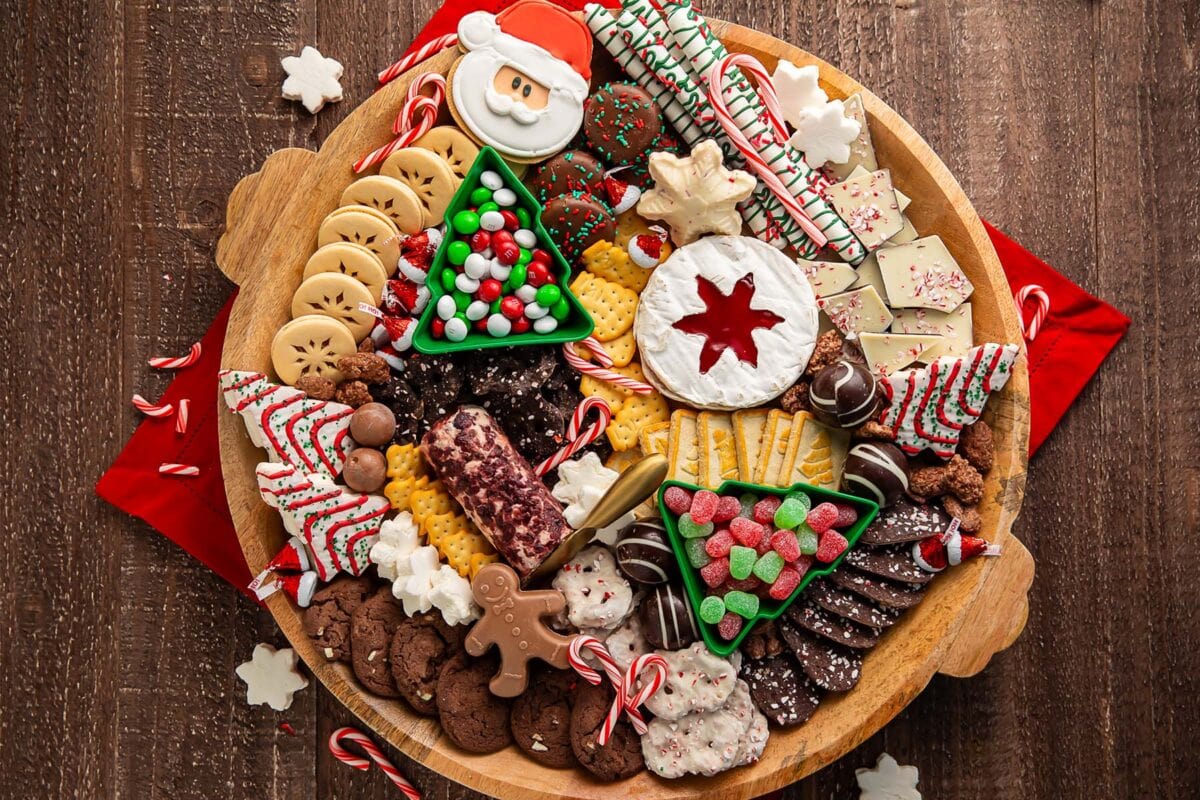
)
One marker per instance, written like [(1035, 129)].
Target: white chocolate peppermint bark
[(857, 311), (923, 274), (869, 206), (311, 435), (868, 275), (862, 151), (888, 352), (827, 277), (955, 327)]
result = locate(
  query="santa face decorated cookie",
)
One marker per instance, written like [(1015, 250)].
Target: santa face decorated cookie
[(726, 322), (521, 85)]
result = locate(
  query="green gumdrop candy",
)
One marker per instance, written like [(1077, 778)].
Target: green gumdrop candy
[(808, 540), (743, 604), (690, 529), (697, 555), (768, 566), (802, 499), (741, 561), (712, 608), (790, 513), (747, 502)]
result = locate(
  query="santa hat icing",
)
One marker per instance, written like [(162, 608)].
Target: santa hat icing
[(535, 36)]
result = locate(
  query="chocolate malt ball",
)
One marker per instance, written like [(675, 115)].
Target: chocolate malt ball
[(365, 470), (372, 424)]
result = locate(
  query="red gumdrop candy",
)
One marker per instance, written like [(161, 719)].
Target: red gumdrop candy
[(537, 274), (822, 517), (728, 507), (847, 516), (704, 505), (719, 544), (785, 584), (803, 564), (832, 545), (677, 499), (747, 532), (785, 543), (490, 289), (729, 626), (437, 327), (541, 256), (715, 572), (764, 545), (480, 240), (764, 510), (511, 223)]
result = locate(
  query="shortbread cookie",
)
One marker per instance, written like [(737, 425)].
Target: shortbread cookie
[(311, 345), (718, 460), (598, 596), (696, 194), (350, 259), (683, 449), (748, 427), (697, 681), (366, 226), (452, 146), (390, 197), (338, 297), (428, 176)]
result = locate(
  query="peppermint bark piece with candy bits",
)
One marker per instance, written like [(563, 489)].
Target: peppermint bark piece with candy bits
[(311, 435)]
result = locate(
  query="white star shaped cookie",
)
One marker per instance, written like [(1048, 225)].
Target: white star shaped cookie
[(887, 781), (797, 89), (696, 194), (271, 677), (824, 134), (312, 79)]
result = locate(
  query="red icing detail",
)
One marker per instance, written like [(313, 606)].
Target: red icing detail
[(727, 322), (551, 28)]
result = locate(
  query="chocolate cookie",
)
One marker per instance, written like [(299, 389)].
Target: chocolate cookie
[(621, 757), (437, 381), (420, 646), (406, 404), (894, 563), (327, 619), (885, 593), (848, 605), (839, 631), (830, 667), (576, 221), (534, 425), (905, 521), (472, 717), (568, 172), (510, 371), (622, 123), (780, 691), (541, 717), (372, 627)]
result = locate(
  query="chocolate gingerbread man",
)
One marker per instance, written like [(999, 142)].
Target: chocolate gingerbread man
[(512, 621)]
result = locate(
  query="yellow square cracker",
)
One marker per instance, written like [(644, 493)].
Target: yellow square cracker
[(718, 453), (748, 426), (399, 490), (621, 349), (636, 413), (611, 305), (481, 560), (606, 260), (440, 527), (457, 549), (774, 448), (629, 225), (622, 460), (683, 448), (655, 438), (404, 460), (429, 501), (612, 394)]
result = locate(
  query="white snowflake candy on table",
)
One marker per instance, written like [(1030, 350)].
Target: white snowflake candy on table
[(271, 677), (887, 781), (312, 79)]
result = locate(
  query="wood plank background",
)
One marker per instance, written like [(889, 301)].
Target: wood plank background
[(1071, 124)]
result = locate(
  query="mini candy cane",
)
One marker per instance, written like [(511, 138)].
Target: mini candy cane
[(599, 370), (178, 363), (405, 129), (150, 409), (185, 470), (181, 419), (420, 54), (597, 648), (1039, 312), (373, 753), (774, 114), (658, 665), (577, 440)]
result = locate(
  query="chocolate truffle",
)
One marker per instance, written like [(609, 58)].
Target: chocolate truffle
[(622, 123), (372, 424), (365, 470), (576, 221), (567, 172), (877, 471), (844, 394), (667, 619), (644, 554)]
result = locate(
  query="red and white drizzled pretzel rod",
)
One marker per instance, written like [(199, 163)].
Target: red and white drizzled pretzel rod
[(766, 92), (150, 409), (600, 368), (185, 470), (577, 439), (633, 700), (181, 418), (613, 671), (178, 363), (374, 754), (416, 57), (407, 131), (1039, 312)]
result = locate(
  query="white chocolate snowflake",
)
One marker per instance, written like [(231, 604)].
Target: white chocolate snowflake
[(581, 484), (398, 538), (824, 133), (887, 781), (797, 89), (696, 194), (312, 79), (271, 677)]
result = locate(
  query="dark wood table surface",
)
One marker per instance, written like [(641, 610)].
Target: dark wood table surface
[(1072, 125)]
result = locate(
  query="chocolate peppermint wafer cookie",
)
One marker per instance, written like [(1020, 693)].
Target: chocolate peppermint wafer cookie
[(837, 630), (850, 606), (885, 593), (783, 694), (836, 669), (905, 521), (895, 563)]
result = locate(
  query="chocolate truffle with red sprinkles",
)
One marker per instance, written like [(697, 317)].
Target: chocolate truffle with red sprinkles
[(576, 221), (622, 123)]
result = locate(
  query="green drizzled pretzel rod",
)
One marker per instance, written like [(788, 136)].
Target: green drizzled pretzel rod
[(604, 28), (703, 49)]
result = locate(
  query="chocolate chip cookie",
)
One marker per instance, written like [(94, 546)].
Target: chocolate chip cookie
[(327, 619), (541, 717), (621, 757), (372, 627), (420, 646), (472, 717)]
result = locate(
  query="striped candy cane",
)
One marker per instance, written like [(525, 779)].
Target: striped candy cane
[(600, 369), (184, 470), (578, 439), (178, 363), (613, 671), (633, 700), (407, 127), (778, 130), (150, 409), (1040, 311), (374, 755), (181, 418), (416, 57)]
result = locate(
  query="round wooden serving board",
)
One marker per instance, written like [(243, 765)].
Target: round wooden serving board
[(969, 614)]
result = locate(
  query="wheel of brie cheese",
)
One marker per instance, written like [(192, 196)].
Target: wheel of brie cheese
[(726, 322)]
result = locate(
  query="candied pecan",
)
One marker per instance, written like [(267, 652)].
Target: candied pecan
[(969, 520), (316, 387), (827, 351), (763, 642), (874, 430), (796, 398), (964, 481), (367, 345), (353, 393), (978, 446), (366, 367), (927, 482)]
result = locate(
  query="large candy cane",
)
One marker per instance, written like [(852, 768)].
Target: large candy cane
[(615, 677), (600, 369), (416, 57), (374, 754), (407, 127), (577, 436)]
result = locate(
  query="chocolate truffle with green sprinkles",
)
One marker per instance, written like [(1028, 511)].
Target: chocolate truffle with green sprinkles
[(576, 221), (622, 123)]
